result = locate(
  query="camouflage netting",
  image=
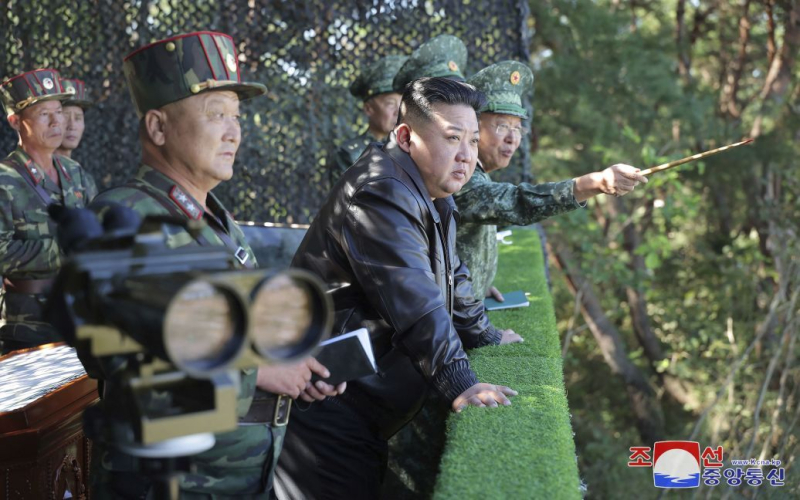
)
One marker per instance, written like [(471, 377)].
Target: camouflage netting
[(305, 52)]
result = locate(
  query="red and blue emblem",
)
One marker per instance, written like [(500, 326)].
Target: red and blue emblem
[(676, 464)]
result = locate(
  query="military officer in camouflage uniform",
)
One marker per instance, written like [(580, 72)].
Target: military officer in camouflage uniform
[(31, 178), (444, 56), (484, 204), (186, 91), (73, 109), (381, 103)]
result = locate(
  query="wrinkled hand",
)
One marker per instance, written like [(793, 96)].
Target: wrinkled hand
[(294, 380), (621, 179), (495, 294), (510, 337), (320, 390), (288, 379), (483, 395)]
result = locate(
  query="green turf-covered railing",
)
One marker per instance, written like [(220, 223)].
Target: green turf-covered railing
[(525, 450)]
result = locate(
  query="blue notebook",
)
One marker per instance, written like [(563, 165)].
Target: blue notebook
[(512, 300)]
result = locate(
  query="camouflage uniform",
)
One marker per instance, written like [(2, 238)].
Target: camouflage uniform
[(28, 249), (375, 80), (348, 152), (235, 466), (241, 463), (444, 56), (484, 204)]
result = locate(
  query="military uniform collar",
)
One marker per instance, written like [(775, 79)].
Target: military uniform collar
[(34, 169), (174, 191), (181, 197), (216, 209)]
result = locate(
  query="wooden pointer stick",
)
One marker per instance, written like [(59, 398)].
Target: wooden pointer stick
[(698, 156)]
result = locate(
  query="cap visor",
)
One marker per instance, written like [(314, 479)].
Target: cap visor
[(52, 97), (506, 109), (245, 90), (77, 102)]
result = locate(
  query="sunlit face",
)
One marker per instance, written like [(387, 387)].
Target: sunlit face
[(500, 138), (40, 125), (445, 148), (202, 134), (382, 112), (73, 127)]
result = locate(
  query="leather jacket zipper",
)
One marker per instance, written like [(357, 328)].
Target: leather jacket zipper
[(448, 271)]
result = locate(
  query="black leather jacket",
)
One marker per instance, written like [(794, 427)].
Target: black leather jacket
[(388, 252)]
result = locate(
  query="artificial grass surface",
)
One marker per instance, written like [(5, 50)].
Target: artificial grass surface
[(525, 450)]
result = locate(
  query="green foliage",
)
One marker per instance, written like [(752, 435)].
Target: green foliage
[(717, 238), (527, 448)]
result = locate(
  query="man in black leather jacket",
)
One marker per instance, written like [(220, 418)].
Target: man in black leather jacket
[(385, 242)]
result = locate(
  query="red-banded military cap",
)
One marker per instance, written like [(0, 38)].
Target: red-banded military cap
[(78, 90), (21, 91), (182, 66)]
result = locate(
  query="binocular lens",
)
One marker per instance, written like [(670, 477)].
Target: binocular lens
[(283, 312), (203, 326)]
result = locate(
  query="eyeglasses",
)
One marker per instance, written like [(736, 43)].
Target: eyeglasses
[(503, 129)]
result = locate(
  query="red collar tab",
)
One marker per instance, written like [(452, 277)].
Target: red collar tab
[(36, 174), (63, 170), (185, 202)]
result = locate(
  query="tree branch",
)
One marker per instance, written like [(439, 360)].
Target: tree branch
[(729, 104), (765, 327), (646, 408), (779, 75), (684, 59), (637, 305), (771, 47)]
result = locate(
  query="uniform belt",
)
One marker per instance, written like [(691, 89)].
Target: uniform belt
[(27, 286), (268, 408)]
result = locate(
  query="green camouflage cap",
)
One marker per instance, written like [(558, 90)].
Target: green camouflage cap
[(19, 92), (443, 56), (182, 66), (377, 78), (504, 83), (78, 90)]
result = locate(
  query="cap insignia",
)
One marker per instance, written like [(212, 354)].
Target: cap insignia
[(231, 62), (47, 83), (515, 78), (453, 66)]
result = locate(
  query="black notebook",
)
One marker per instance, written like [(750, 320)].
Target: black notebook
[(347, 357)]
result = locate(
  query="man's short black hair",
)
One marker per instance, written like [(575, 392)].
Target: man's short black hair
[(421, 94)]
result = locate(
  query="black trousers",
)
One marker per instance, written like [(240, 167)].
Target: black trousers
[(330, 452)]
